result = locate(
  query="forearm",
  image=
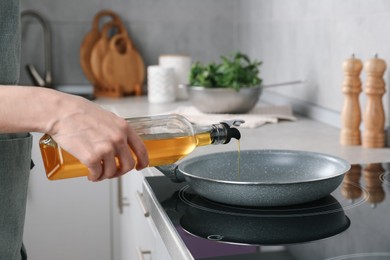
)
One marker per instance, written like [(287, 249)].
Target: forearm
[(28, 109)]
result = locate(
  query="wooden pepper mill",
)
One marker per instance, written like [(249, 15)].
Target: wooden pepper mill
[(374, 115), (351, 114)]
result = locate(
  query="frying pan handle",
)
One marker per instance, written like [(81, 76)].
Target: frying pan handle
[(172, 172)]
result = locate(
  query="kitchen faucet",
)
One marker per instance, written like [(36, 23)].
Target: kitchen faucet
[(37, 79)]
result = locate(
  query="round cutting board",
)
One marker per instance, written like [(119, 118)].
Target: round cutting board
[(89, 41), (119, 66)]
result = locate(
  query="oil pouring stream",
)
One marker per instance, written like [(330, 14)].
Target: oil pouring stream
[(168, 138)]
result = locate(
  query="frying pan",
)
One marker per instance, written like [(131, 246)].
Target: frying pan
[(260, 177)]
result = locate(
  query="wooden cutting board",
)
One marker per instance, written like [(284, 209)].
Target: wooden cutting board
[(119, 65), (125, 69), (139, 68), (137, 63), (100, 49), (140, 72), (89, 41)]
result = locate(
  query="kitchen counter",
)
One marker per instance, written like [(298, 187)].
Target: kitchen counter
[(303, 134)]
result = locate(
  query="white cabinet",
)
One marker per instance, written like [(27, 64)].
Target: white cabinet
[(78, 219), (66, 219), (135, 235)]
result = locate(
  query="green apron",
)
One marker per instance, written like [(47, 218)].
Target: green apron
[(9, 41), (15, 149), (15, 159)]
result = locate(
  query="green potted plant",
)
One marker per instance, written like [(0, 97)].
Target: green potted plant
[(231, 86)]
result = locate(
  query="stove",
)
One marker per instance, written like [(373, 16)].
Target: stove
[(350, 223)]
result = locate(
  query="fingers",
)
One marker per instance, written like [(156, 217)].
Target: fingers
[(124, 160), (110, 167), (139, 149), (111, 163), (95, 171), (116, 159)]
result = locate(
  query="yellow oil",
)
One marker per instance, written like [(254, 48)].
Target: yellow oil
[(59, 164)]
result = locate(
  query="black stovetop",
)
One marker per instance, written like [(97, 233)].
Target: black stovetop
[(351, 223)]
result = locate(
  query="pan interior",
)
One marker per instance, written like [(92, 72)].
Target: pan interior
[(265, 166)]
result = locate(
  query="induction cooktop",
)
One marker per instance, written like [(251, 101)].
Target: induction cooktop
[(351, 223)]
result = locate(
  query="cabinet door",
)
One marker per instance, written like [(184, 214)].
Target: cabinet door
[(66, 219), (130, 231), (135, 236)]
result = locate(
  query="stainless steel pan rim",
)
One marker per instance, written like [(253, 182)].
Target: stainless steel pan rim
[(339, 166), (224, 100)]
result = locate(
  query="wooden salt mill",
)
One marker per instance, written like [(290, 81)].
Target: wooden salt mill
[(351, 114), (374, 115)]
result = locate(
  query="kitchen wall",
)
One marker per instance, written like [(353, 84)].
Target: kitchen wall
[(295, 39), (202, 29), (310, 40)]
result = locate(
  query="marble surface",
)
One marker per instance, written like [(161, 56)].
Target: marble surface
[(303, 134)]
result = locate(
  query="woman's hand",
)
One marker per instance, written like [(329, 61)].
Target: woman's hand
[(96, 137)]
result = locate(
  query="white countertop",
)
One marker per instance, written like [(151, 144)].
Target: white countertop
[(304, 134)]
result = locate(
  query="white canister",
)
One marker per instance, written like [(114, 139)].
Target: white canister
[(181, 65), (161, 84)]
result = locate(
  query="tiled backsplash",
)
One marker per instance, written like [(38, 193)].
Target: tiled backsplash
[(295, 39)]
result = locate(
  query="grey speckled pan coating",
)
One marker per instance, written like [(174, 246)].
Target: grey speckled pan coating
[(265, 177)]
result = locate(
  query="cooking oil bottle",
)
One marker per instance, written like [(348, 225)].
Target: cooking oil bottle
[(168, 138)]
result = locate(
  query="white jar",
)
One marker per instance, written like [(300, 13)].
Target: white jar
[(161, 84), (181, 65)]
